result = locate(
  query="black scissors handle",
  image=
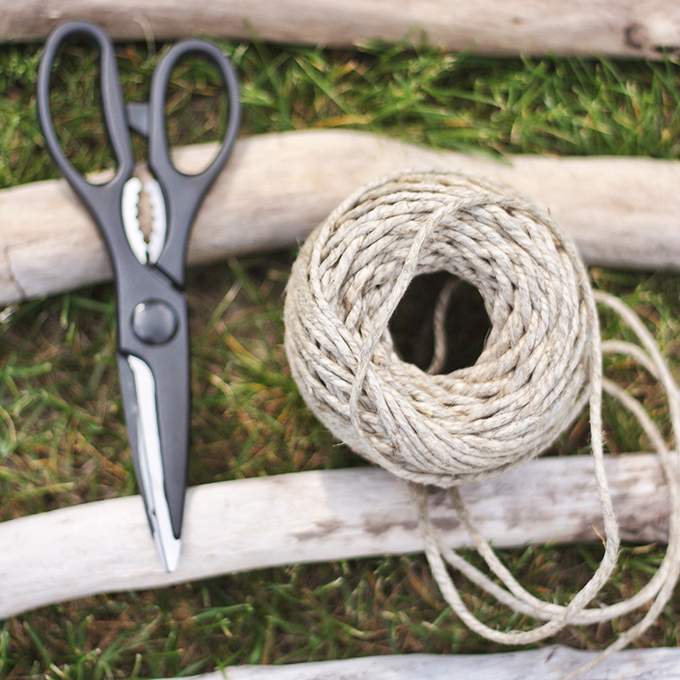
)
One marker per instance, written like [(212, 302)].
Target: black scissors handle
[(101, 200), (184, 193)]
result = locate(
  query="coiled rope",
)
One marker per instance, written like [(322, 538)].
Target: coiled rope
[(542, 363)]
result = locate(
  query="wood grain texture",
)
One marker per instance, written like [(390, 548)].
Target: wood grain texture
[(622, 28), (548, 663), (276, 188), (313, 517)]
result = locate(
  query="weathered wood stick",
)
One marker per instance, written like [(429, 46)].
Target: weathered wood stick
[(313, 517), (548, 663), (276, 188), (622, 28)]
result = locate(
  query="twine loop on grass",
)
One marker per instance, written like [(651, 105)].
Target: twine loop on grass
[(542, 363)]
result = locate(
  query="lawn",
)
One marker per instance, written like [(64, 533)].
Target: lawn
[(62, 432)]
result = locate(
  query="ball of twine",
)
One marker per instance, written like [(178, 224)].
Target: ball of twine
[(541, 364), (531, 379)]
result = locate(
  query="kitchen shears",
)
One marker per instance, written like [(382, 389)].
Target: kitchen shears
[(152, 328)]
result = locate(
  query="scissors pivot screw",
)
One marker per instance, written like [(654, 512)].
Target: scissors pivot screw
[(154, 322)]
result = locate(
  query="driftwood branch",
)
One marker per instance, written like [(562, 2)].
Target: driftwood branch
[(548, 663), (313, 517), (278, 187), (623, 28)]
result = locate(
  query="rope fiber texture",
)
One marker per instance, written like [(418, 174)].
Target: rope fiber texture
[(541, 365)]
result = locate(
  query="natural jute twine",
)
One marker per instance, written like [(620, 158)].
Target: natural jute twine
[(542, 363)]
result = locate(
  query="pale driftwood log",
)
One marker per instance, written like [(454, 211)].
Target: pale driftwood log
[(622, 28), (313, 517), (276, 188), (548, 663)]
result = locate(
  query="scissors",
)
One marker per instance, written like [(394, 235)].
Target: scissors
[(152, 328)]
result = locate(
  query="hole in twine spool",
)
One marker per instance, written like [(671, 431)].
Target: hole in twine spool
[(439, 307), (540, 365)]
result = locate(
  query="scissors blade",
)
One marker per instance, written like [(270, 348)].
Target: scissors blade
[(146, 253), (140, 399), (159, 227), (130, 215)]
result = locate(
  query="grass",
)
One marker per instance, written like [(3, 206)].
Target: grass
[(62, 433)]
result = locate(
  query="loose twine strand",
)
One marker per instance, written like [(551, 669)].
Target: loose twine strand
[(541, 364)]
